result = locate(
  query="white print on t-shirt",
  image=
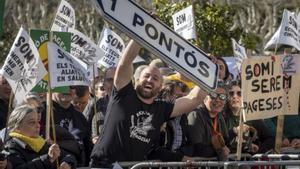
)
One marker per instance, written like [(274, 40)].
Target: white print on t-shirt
[(68, 125), (141, 125)]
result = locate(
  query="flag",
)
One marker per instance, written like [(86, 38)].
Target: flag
[(239, 52), (184, 23), (287, 33), (23, 68), (64, 69), (64, 18), (83, 48), (113, 46)]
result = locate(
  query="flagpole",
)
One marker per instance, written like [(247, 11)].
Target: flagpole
[(240, 135), (10, 103), (280, 118), (11, 98), (94, 89), (50, 113)]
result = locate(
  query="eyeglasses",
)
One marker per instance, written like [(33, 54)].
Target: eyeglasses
[(232, 93), (221, 96)]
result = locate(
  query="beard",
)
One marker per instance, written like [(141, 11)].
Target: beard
[(146, 94)]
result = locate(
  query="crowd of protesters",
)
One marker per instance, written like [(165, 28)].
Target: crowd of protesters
[(147, 113)]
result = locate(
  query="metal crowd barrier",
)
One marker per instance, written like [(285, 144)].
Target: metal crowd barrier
[(206, 164), (291, 164), (262, 164), (277, 156), (276, 161)]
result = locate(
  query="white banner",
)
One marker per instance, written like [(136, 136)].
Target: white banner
[(83, 48), (64, 18), (23, 67), (267, 90), (239, 52), (288, 33), (113, 46), (64, 69), (184, 23)]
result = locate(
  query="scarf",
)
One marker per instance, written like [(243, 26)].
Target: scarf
[(35, 143)]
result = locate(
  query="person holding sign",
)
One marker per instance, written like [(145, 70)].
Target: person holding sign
[(134, 115), (257, 137), (27, 149)]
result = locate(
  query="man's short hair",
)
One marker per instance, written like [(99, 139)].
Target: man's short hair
[(81, 91)]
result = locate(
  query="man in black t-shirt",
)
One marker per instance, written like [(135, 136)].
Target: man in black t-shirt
[(134, 115)]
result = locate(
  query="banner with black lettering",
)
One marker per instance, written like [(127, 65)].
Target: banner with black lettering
[(287, 33), (184, 23), (239, 52), (268, 90), (64, 69), (23, 68), (64, 18), (113, 46), (83, 48), (40, 38)]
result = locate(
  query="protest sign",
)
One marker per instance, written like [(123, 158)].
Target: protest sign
[(184, 23), (65, 69), (160, 40), (83, 48), (267, 92), (113, 46), (239, 52), (287, 33), (64, 18), (23, 68), (40, 38)]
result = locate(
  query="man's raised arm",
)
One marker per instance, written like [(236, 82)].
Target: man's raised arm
[(188, 103), (124, 69)]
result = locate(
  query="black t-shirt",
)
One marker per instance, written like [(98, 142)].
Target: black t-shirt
[(130, 127)]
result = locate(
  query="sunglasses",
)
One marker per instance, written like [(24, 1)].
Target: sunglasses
[(221, 96), (232, 93)]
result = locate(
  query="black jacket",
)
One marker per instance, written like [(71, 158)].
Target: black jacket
[(200, 131), (3, 113), (23, 157)]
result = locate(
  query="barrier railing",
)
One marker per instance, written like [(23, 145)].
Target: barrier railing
[(216, 164), (277, 161), (277, 156), (206, 164)]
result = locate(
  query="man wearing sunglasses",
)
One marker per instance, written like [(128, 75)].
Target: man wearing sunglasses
[(206, 126)]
